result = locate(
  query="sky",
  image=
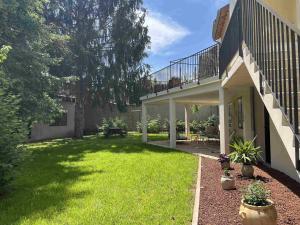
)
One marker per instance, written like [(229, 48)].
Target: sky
[(179, 28)]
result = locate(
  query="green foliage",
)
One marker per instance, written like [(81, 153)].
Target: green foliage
[(195, 108), (107, 46), (212, 121), (154, 126), (12, 130), (256, 194), (245, 152), (197, 126), (180, 126), (27, 65), (236, 139), (112, 123)]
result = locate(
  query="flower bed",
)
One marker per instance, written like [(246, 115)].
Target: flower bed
[(219, 207)]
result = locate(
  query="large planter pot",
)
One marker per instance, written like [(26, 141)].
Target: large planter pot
[(225, 165), (247, 170), (258, 215), (228, 182)]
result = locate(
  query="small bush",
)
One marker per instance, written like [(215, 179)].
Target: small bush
[(256, 194), (197, 126), (112, 123), (154, 126), (212, 121), (180, 126)]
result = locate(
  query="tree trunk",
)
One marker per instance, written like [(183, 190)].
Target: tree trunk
[(79, 119)]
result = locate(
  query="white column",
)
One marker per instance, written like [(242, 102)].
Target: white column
[(223, 117), (144, 122), (187, 120), (172, 121)]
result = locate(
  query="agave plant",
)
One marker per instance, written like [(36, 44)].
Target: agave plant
[(245, 152)]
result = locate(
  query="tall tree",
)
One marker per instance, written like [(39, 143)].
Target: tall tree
[(107, 46), (12, 128), (23, 28)]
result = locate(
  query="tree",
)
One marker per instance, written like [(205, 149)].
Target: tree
[(107, 46), (27, 67), (12, 128)]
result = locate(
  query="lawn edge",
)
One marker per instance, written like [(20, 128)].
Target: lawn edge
[(195, 220)]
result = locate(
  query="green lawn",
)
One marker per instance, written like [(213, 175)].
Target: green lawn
[(99, 181)]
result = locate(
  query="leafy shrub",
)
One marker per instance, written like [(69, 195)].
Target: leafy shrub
[(197, 126), (180, 126), (256, 194), (245, 152), (212, 121), (154, 126), (112, 123)]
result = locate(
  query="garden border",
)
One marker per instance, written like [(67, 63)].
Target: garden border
[(196, 210)]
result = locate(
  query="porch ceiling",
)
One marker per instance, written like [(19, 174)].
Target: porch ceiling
[(209, 98)]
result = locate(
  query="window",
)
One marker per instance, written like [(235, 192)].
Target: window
[(240, 114), (61, 120)]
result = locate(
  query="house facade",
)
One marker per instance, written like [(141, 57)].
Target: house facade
[(252, 74)]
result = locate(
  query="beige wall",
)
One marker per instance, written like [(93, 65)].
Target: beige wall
[(42, 131), (286, 9)]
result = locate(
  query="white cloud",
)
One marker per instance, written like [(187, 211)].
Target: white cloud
[(164, 31)]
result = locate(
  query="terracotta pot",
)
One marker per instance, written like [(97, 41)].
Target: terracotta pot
[(258, 215), (228, 182), (247, 170), (225, 165)]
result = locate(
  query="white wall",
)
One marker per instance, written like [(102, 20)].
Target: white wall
[(280, 158), (44, 131)]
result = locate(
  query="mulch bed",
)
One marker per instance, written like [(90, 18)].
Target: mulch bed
[(219, 207)]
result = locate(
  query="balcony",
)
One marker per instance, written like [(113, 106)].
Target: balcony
[(191, 70)]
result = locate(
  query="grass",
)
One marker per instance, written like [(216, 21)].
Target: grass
[(99, 181)]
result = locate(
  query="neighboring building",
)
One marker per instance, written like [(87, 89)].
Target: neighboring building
[(63, 127), (256, 85)]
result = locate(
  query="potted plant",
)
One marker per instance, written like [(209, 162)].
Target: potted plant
[(224, 160), (256, 208), (246, 153), (227, 181)]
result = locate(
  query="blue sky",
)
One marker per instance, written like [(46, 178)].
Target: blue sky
[(179, 28)]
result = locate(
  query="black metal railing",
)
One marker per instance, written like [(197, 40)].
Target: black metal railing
[(275, 47), (232, 41), (191, 69)]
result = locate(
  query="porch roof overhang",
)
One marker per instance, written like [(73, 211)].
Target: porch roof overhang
[(206, 93)]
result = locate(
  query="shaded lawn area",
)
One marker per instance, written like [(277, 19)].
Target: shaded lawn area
[(101, 181)]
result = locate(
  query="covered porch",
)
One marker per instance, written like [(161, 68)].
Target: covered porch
[(205, 94)]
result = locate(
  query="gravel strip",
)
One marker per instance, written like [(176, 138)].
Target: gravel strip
[(219, 207)]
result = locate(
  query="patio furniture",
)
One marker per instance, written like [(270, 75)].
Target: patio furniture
[(115, 131)]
